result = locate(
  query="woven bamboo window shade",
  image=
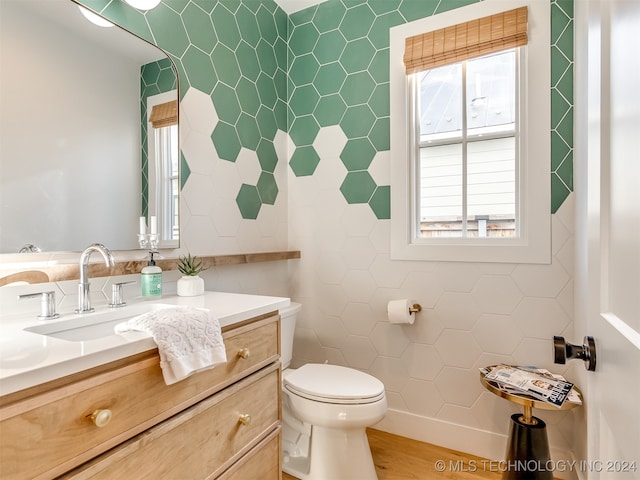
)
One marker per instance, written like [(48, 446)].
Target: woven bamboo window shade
[(466, 40), (164, 114)]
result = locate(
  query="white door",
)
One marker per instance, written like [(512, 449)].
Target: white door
[(608, 144)]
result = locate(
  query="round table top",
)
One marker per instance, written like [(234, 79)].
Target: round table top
[(524, 399)]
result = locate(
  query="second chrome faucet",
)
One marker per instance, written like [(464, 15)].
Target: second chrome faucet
[(84, 298)]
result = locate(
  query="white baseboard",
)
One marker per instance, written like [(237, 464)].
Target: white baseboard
[(481, 443)]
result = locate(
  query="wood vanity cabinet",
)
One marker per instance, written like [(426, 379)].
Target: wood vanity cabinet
[(221, 423)]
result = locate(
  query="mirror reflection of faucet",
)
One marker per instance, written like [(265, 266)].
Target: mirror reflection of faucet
[(30, 248), (84, 298)]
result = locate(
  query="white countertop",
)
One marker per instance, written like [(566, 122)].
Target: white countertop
[(28, 358)]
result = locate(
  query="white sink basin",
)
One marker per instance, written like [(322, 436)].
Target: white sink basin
[(91, 326)]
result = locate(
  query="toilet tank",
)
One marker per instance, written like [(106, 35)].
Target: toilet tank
[(288, 317)]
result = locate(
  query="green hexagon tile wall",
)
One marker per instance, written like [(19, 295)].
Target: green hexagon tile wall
[(323, 66)]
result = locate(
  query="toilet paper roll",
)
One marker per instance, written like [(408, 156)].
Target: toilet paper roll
[(398, 311)]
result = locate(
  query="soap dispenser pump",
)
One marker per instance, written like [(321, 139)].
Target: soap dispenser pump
[(151, 278)]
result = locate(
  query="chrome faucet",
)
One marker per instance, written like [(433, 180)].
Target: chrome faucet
[(84, 299)]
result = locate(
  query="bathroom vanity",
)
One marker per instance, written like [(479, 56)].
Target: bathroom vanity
[(118, 418)]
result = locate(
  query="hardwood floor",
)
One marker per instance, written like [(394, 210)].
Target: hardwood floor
[(400, 458)]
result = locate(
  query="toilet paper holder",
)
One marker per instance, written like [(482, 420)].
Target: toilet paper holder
[(415, 308), (402, 311)]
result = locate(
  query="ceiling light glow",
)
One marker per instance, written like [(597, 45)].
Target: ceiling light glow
[(143, 4), (95, 19)]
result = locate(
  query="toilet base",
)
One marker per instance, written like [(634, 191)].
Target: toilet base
[(337, 454)]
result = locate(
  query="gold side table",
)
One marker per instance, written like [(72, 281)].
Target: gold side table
[(527, 456)]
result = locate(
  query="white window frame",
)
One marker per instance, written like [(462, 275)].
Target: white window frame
[(533, 245), (158, 200)]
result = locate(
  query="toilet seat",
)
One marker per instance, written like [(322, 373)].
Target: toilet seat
[(334, 384)]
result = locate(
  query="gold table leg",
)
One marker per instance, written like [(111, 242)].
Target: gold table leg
[(527, 417)]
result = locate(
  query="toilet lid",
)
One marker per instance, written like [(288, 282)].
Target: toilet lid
[(334, 384)]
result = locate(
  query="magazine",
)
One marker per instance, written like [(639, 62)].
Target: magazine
[(539, 384)]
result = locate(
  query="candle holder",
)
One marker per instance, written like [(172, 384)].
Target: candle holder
[(153, 240), (142, 240)]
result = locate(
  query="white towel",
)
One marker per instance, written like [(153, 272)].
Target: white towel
[(189, 340)]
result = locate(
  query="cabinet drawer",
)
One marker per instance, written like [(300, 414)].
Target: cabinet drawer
[(262, 462), (52, 432), (200, 442)]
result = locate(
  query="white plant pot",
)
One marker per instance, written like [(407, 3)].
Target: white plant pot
[(190, 286)]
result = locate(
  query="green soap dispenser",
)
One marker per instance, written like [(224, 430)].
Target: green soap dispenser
[(151, 278)]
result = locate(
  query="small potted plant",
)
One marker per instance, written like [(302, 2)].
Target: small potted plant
[(190, 284)]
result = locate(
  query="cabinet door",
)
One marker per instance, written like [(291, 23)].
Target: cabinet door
[(200, 442)]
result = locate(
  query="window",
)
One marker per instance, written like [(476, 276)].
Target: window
[(163, 172), (470, 139), (466, 139), (166, 141)]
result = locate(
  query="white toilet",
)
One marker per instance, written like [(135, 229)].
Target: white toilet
[(325, 411)]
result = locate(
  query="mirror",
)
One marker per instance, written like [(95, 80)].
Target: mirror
[(71, 155)]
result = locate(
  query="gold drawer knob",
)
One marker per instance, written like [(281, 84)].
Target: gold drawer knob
[(244, 419), (244, 353), (101, 417)]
